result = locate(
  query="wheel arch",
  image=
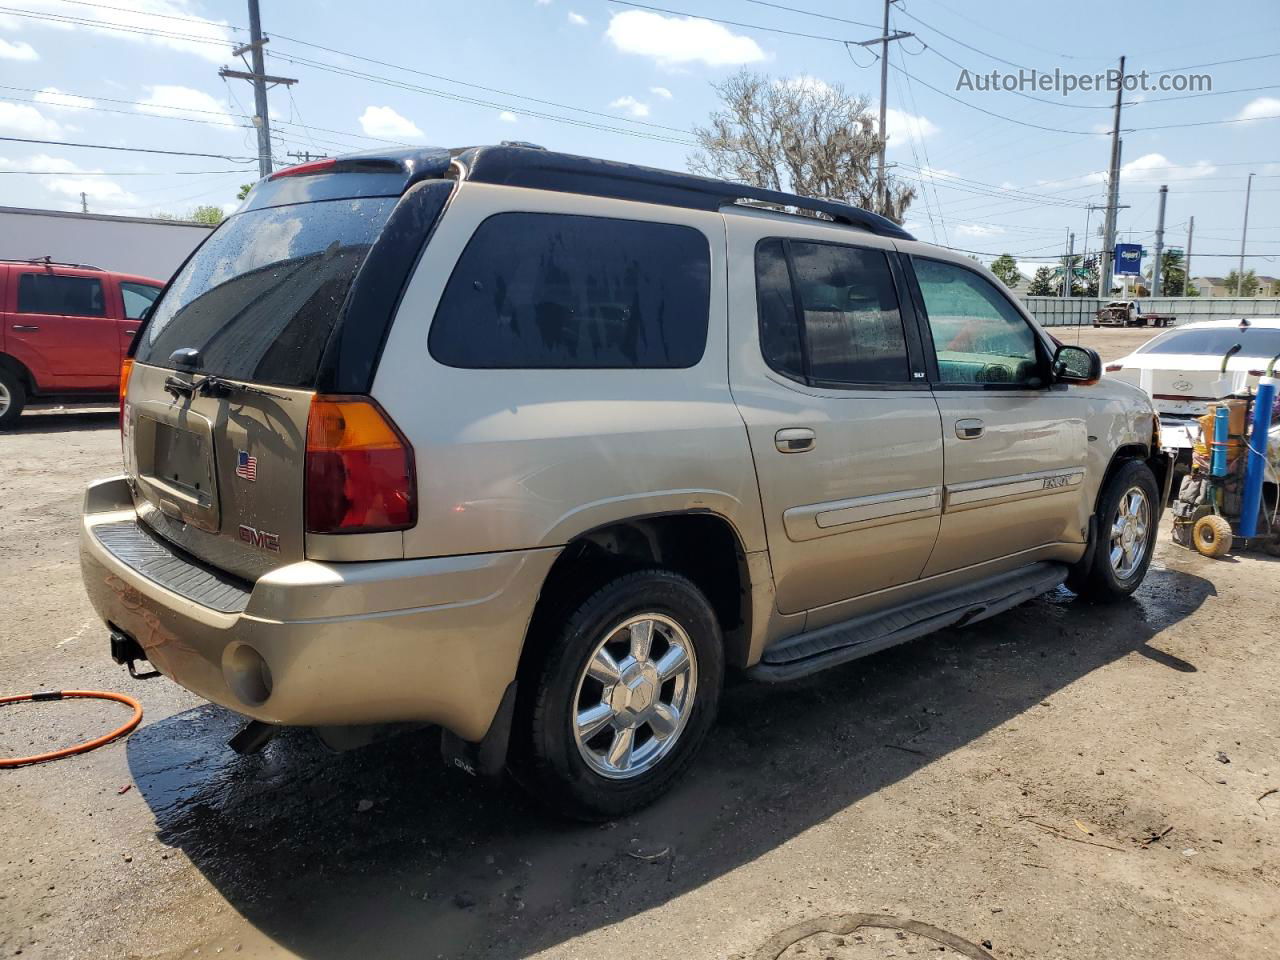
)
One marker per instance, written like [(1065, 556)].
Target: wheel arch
[(701, 545), (19, 370)]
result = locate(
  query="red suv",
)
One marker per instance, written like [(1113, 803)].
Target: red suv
[(64, 330)]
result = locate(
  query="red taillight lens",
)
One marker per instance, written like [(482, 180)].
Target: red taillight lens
[(360, 476), (126, 369), (1113, 367)]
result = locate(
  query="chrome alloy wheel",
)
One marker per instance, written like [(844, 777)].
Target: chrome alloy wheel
[(5, 399), (1129, 528), (634, 696)]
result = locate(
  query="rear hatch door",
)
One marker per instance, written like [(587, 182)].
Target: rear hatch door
[(216, 412)]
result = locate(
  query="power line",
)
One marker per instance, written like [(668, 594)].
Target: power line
[(106, 146), (738, 23), (812, 13), (162, 16)]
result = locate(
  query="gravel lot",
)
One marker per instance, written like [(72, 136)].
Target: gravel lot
[(1062, 781)]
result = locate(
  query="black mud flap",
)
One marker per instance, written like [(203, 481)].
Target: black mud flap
[(488, 757)]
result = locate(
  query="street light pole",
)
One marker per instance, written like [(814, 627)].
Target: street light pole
[(1248, 188), (1155, 269)]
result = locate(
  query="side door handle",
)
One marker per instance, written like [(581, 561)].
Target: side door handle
[(25, 328), (970, 429), (794, 440)]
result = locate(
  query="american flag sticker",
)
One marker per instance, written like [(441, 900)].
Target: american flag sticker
[(246, 466)]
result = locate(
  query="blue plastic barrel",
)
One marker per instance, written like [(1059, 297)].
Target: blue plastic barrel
[(1256, 465)]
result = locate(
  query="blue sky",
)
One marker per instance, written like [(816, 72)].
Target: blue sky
[(627, 83)]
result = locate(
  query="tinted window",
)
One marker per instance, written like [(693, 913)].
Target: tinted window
[(536, 290), (1214, 342), (261, 295), (978, 335), (49, 293), (779, 329), (852, 330), (137, 297)]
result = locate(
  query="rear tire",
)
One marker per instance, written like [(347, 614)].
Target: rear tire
[(616, 710), (1212, 537), (1125, 532), (13, 397)]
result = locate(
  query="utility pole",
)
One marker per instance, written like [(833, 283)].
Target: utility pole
[(84, 203), (1066, 266), (1186, 261), (1248, 188), (882, 181), (1155, 269), (1113, 196), (260, 80), (306, 156)]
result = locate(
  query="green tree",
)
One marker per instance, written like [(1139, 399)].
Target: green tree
[(1172, 273), (799, 135), (1250, 286), (1192, 290), (1092, 279), (244, 190), (207, 214), (1077, 288), (1042, 283), (1006, 268)]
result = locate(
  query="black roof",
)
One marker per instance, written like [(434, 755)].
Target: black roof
[(526, 165), (519, 165)]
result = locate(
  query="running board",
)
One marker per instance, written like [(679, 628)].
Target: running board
[(838, 643)]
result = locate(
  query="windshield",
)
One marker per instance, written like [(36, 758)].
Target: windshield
[(259, 299), (1216, 341)]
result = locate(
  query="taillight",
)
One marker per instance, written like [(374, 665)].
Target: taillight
[(360, 476), (126, 369), (305, 169), (1113, 367)]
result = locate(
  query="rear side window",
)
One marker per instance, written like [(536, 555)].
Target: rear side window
[(553, 291), (137, 297), (829, 313), (260, 297), (49, 293)]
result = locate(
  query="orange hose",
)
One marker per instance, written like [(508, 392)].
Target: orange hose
[(80, 747)]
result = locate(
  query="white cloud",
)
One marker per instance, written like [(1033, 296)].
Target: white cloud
[(902, 126), (53, 97), (17, 50), (632, 106), (1260, 107), (1152, 167), (542, 3), (188, 35), (385, 122), (21, 118), (807, 83), (67, 181), (977, 231), (679, 40), (662, 92), (577, 19), (506, 116), (173, 101)]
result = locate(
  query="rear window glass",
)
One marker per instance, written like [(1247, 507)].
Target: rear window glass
[(260, 297), (551, 291), (49, 293), (1254, 342)]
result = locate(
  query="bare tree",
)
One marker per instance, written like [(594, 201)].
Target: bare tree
[(800, 135)]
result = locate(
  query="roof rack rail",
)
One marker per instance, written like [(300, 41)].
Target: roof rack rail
[(47, 261), (540, 169)]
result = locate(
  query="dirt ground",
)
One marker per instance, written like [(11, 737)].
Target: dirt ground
[(1062, 781)]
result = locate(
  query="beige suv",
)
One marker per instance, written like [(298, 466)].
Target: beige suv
[(534, 447)]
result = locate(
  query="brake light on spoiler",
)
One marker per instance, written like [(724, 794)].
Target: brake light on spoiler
[(302, 169), (359, 469)]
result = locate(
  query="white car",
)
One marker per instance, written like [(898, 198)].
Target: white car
[(1182, 371)]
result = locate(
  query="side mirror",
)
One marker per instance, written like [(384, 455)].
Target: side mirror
[(1072, 364)]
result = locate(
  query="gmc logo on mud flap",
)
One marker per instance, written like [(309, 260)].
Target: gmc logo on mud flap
[(260, 539)]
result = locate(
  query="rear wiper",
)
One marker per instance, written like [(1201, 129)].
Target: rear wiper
[(212, 386)]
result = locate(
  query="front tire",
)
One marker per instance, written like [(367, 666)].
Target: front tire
[(623, 698), (13, 397), (1125, 536)]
